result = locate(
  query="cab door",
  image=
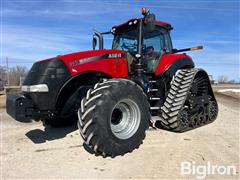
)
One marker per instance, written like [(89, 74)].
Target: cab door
[(155, 46)]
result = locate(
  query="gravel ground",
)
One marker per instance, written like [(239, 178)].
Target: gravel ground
[(29, 151)]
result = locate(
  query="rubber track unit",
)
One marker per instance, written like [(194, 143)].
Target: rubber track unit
[(175, 101), (91, 129)]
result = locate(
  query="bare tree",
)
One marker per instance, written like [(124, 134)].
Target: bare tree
[(15, 75), (223, 79), (232, 81)]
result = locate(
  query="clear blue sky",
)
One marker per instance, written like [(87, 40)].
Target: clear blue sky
[(38, 29)]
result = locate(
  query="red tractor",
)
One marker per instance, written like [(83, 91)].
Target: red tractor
[(116, 94)]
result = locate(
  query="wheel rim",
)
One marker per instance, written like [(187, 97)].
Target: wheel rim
[(125, 119)]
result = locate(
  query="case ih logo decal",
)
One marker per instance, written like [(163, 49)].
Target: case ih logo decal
[(116, 55), (94, 58)]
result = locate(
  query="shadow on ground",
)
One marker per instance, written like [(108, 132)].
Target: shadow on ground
[(39, 136)]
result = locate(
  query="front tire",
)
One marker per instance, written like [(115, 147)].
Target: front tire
[(113, 117)]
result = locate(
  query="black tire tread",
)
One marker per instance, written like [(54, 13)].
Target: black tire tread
[(88, 133), (175, 100)]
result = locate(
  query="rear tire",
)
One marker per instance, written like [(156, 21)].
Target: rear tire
[(113, 117)]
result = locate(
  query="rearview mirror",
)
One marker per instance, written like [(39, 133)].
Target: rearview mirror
[(150, 22), (94, 42)]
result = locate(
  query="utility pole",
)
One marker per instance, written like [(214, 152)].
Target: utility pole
[(8, 81)]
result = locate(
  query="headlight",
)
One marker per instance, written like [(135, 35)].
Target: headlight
[(35, 88)]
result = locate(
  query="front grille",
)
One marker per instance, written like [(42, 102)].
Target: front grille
[(52, 72)]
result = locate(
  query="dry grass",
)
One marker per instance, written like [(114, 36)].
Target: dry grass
[(217, 89), (2, 101), (8, 90), (233, 94), (2, 92)]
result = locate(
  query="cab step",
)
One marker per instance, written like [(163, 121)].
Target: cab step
[(154, 98), (155, 108)]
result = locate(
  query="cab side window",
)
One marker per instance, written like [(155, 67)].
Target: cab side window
[(153, 49), (167, 43), (153, 46)]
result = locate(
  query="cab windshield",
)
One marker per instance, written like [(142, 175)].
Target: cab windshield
[(126, 41), (155, 44), (158, 41)]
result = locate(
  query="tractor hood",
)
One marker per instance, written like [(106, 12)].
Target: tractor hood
[(86, 54), (54, 72), (90, 55), (93, 60)]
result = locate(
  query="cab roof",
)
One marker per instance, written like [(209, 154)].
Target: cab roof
[(133, 22)]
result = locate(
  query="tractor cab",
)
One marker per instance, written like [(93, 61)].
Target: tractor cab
[(144, 40), (155, 42)]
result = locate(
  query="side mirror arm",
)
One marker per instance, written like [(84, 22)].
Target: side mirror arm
[(100, 37)]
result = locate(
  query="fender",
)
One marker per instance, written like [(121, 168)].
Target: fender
[(179, 64), (172, 62), (75, 88)]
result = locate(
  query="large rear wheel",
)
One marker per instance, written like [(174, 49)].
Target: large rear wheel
[(113, 117)]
